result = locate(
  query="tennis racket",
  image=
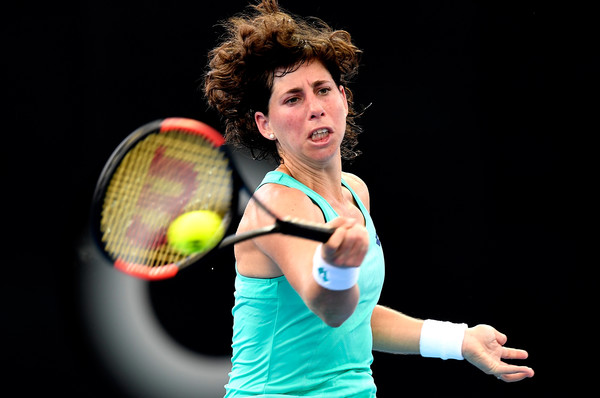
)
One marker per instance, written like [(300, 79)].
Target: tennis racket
[(164, 169)]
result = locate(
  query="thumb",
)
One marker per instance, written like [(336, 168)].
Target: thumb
[(500, 337)]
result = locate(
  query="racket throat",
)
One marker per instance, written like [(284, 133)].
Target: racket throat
[(255, 233)]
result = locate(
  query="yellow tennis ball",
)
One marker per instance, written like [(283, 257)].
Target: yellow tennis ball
[(195, 231)]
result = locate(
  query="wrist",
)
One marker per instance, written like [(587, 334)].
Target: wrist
[(442, 339), (332, 277)]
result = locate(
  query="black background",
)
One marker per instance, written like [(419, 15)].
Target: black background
[(471, 151)]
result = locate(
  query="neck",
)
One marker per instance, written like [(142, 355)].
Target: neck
[(326, 181)]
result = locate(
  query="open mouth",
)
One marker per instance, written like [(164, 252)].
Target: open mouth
[(319, 134)]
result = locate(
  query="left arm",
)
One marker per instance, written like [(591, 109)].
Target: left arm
[(482, 346), (394, 332)]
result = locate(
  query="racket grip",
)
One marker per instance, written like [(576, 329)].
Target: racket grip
[(308, 231)]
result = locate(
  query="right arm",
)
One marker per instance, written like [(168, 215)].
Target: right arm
[(275, 255)]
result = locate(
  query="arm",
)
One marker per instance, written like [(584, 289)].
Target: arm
[(394, 332), (274, 255), (482, 345)]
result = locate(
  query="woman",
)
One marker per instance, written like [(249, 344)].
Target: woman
[(306, 317)]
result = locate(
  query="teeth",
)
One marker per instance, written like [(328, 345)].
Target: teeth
[(319, 134)]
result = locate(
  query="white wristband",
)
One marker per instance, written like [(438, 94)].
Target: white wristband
[(332, 277), (442, 339)]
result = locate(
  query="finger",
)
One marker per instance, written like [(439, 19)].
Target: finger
[(330, 247), (338, 248), (516, 375), (340, 225), (359, 238), (353, 249), (507, 370), (514, 353)]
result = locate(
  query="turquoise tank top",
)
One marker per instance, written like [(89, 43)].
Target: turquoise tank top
[(282, 349)]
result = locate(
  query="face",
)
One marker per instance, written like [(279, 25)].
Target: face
[(307, 115)]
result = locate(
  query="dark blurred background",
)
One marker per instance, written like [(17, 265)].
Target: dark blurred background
[(472, 150)]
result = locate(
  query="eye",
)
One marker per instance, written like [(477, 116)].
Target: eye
[(291, 100), (324, 90)]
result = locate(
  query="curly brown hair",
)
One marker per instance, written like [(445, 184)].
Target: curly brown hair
[(258, 43)]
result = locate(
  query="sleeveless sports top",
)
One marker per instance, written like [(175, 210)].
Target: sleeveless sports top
[(282, 349)]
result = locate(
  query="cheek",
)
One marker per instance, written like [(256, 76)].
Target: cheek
[(285, 122), (340, 113)]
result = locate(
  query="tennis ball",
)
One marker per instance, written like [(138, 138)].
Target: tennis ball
[(195, 231)]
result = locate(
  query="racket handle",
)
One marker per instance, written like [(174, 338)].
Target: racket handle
[(308, 231)]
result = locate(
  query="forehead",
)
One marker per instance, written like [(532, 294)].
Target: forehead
[(306, 73)]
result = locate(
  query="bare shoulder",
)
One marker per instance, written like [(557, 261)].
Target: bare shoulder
[(359, 186), (274, 255), (284, 201)]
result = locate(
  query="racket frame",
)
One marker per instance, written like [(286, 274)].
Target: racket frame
[(284, 226), (159, 126)]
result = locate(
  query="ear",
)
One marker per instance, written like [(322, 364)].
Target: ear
[(344, 99), (262, 122)]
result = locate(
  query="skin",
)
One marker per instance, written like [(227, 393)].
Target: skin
[(301, 103)]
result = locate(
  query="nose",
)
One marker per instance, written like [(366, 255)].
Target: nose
[(317, 114), (316, 109)]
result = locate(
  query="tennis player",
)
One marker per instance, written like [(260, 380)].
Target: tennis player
[(306, 315)]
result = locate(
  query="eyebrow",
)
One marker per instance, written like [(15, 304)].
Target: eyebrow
[(316, 83)]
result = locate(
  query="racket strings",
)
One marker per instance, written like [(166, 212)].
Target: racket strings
[(162, 177)]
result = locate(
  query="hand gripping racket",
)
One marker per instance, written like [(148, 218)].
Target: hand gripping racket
[(164, 169)]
